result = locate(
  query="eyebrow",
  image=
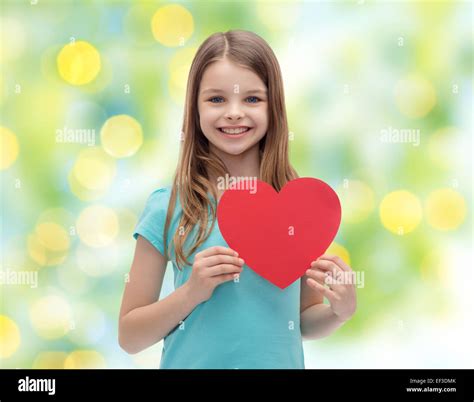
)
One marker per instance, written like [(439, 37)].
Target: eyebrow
[(263, 91)]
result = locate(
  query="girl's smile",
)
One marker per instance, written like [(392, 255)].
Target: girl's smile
[(235, 132)]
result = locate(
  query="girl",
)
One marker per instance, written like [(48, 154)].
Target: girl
[(222, 314)]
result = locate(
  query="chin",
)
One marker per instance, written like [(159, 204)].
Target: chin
[(232, 150)]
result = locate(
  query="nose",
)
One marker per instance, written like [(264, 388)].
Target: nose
[(233, 112)]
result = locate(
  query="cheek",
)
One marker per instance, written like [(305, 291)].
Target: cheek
[(208, 117), (260, 116)]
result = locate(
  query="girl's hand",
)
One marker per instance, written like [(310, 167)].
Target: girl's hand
[(341, 293), (211, 267)]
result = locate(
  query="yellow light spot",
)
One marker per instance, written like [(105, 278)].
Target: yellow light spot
[(127, 221), (43, 255), (78, 63), (37, 250), (84, 359), (49, 244), (9, 148), (9, 337), (83, 193), (445, 209), (51, 317), (357, 201), (60, 216), (49, 360), (340, 251), (172, 25), (179, 69), (94, 169), (52, 236), (415, 96), (400, 212), (97, 226), (121, 136)]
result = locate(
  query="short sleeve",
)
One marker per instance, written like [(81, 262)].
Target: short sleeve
[(151, 223)]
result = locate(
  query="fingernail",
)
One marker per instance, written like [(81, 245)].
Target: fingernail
[(236, 253), (308, 271), (241, 260)]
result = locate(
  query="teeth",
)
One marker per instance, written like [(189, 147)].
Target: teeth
[(234, 130)]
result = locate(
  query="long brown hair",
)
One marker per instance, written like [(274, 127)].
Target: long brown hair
[(196, 163)]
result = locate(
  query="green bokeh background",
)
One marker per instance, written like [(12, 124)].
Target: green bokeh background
[(352, 71)]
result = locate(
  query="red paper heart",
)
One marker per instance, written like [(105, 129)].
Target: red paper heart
[(280, 234)]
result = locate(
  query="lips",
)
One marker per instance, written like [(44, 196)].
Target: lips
[(234, 130)]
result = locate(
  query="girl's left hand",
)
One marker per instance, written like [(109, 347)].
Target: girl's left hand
[(341, 293)]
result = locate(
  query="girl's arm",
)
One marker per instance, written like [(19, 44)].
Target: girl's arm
[(319, 321), (144, 321)]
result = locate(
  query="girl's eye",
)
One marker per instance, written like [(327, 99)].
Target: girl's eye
[(254, 99), (216, 97)]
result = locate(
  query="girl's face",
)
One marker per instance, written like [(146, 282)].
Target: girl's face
[(232, 98)]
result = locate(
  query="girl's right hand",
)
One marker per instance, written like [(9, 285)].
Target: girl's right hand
[(211, 267)]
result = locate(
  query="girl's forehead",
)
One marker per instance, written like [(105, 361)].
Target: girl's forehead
[(224, 74)]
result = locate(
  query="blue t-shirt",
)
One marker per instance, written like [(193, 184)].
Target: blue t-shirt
[(246, 324)]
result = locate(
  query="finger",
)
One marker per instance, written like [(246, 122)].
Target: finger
[(222, 259), (318, 275), (337, 260), (224, 278), (216, 250), (328, 293), (325, 265), (223, 269), (333, 275)]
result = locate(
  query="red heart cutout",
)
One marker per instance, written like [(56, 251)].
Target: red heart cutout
[(280, 234)]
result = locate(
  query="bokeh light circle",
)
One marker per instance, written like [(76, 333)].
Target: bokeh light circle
[(9, 148), (50, 360), (179, 67), (172, 25), (121, 136), (94, 169), (9, 337), (51, 317), (78, 63), (97, 226), (52, 236), (49, 243), (445, 209), (84, 359), (400, 212)]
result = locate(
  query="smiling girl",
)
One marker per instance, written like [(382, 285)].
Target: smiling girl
[(221, 313)]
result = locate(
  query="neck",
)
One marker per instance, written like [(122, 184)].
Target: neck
[(245, 165)]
